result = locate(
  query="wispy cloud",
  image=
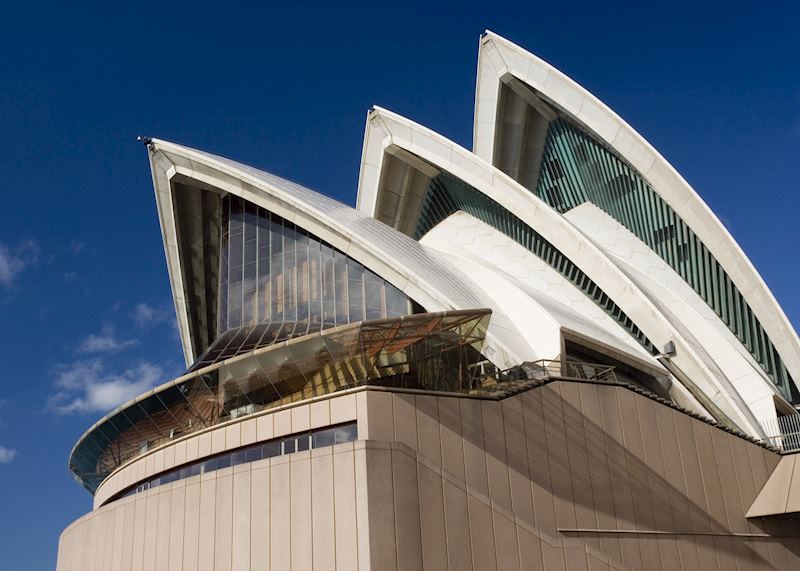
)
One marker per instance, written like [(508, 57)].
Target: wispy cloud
[(88, 386), (14, 260), (7, 455), (74, 247), (105, 342), (144, 315)]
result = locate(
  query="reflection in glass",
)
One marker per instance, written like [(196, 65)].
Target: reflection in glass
[(272, 271), (435, 351)]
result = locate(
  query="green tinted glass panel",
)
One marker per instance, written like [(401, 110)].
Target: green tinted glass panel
[(576, 168)]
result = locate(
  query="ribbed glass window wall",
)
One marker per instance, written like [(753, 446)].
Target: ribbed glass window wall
[(447, 194), (576, 168), (272, 271)]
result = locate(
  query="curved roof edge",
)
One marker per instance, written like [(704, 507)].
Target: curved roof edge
[(422, 275), (499, 57), (387, 131)]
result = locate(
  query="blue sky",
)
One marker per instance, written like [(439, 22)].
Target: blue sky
[(84, 296)]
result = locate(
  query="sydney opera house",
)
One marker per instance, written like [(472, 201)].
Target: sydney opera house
[(542, 353)]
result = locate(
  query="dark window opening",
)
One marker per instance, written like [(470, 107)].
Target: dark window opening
[(318, 438)]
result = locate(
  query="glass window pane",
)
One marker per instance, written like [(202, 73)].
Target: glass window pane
[(355, 290), (303, 442), (340, 287), (323, 438), (397, 303), (373, 296), (314, 280), (254, 453), (289, 446), (346, 433), (271, 449), (209, 465), (276, 267), (289, 273), (328, 289), (249, 294), (302, 276)]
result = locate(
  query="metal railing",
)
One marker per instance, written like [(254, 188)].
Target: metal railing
[(783, 432), (491, 378)]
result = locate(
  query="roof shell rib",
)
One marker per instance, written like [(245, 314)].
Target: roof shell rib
[(500, 61), (422, 274), (389, 135)]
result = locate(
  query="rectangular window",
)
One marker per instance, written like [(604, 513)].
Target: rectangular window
[(346, 433), (355, 290), (254, 454), (303, 442), (271, 449), (209, 466), (373, 296), (340, 284), (289, 273), (324, 438), (328, 289)]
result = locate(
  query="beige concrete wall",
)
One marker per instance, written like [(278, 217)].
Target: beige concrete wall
[(280, 421), (272, 514), (564, 476)]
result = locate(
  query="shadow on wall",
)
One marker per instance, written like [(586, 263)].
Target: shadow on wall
[(605, 458)]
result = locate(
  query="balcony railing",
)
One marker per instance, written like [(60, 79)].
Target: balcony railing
[(783, 432), (493, 380)]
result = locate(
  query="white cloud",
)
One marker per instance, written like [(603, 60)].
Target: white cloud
[(6, 455), (13, 261), (10, 266), (105, 342), (144, 315), (87, 385)]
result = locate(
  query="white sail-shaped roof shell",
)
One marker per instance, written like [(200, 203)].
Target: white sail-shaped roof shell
[(389, 135), (423, 274), (501, 61), (464, 263)]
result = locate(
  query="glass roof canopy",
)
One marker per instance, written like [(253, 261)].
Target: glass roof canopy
[(428, 351)]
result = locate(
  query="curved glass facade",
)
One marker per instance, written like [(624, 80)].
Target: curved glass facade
[(433, 351), (272, 271), (576, 168), (447, 194)]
